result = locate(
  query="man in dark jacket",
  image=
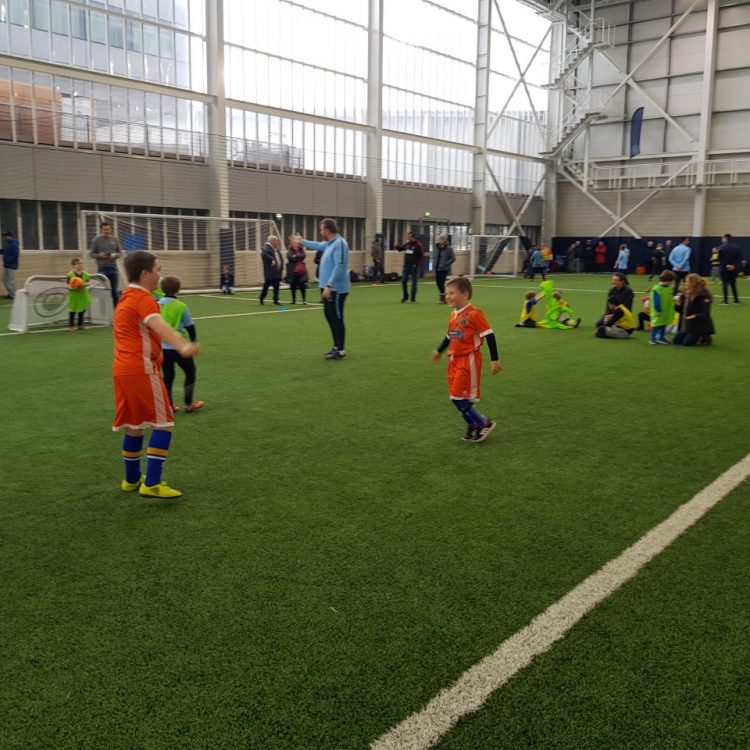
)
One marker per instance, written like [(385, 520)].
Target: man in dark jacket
[(10, 263), (413, 254), (730, 257), (443, 259), (273, 265)]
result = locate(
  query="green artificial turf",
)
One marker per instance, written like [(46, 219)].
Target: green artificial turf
[(340, 555)]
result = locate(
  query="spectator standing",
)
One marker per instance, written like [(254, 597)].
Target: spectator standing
[(443, 259), (273, 265), (578, 257), (413, 254), (376, 251), (297, 272), (105, 249), (650, 249), (730, 258), (588, 257), (679, 257), (600, 255), (623, 259), (536, 264), (333, 280), (11, 252), (658, 263)]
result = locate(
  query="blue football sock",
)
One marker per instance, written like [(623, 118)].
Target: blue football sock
[(476, 416), (132, 449), (469, 412), (158, 450)]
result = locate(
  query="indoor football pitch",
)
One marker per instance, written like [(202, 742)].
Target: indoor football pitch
[(340, 555)]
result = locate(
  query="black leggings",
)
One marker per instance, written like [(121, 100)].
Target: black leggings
[(729, 280), (171, 358), (440, 277), (72, 316), (334, 312), (298, 282)]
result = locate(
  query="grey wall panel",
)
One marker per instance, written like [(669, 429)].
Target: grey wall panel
[(737, 15), (680, 6), (290, 194), (650, 30), (645, 10), (695, 23), (726, 211), (685, 95), (656, 89), (615, 14), (676, 141), (577, 216), (606, 140), (248, 189), (732, 90), (668, 212), (733, 49), (604, 73), (324, 197), (729, 130), (185, 185), (686, 55), (131, 181), (351, 198), (67, 175), (657, 64)]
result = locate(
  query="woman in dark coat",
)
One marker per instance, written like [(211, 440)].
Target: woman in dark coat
[(694, 307), (297, 272)]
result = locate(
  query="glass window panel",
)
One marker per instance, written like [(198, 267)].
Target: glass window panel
[(50, 227), (98, 23), (150, 9), (116, 32), (133, 7), (29, 225), (19, 12), (60, 21), (150, 39), (166, 11), (166, 44), (134, 36), (69, 212), (40, 15)]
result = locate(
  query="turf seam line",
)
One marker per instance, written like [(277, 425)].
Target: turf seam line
[(426, 727)]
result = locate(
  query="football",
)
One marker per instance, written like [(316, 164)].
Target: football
[(76, 282)]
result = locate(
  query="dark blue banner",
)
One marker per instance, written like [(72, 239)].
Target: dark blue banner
[(635, 132)]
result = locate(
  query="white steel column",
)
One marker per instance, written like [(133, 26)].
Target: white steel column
[(481, 115), (374, 214), (554, 115), (217, 118), (704, 128)]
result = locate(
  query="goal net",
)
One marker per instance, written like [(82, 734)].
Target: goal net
[(193, 248), (495, 254)]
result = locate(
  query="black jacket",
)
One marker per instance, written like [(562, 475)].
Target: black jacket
[(730, 255), (443, 257), (700, 306), (621, 296), (413, 252)]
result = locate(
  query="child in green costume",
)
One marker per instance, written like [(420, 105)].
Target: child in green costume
[(559, 314), (79, 296), (662, 308)]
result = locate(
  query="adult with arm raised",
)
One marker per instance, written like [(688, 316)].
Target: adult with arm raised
[(333, 280)]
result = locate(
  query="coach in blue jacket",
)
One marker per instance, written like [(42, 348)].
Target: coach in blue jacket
[(333, 280)]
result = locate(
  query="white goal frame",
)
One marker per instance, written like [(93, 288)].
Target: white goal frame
[(495, 255), (190, 247)]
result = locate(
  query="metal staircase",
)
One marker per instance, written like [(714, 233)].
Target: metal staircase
[(579, 118)]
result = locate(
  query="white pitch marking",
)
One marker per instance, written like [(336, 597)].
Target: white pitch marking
[(252, 299), (423, 729), (195, 317)]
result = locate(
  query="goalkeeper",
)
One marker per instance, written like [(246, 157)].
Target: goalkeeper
[(79, 296)]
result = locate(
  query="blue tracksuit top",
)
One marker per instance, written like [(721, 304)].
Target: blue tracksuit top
[(680, 257), (334, 263)]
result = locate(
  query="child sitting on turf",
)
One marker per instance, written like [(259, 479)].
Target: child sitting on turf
[(79, 295), (175, 312), (227, 280), (662, 308), (528, 311), (467, 328), (617, 323), (559, 314)]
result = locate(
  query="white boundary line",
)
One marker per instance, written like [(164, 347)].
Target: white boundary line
[(300, 308), (426, 727)]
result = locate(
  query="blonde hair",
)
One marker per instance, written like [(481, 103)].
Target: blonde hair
[(695, 284)]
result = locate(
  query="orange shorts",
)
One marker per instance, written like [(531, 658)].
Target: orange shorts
[(464, 375), (141, 401)]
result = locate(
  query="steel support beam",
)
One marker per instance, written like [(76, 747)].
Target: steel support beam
[(217, 120), (481, 115), (706, 110), (374, 213)]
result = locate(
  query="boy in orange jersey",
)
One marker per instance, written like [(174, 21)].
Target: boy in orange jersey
[(141, 399), (467, 329)]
